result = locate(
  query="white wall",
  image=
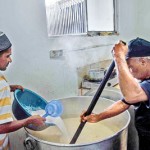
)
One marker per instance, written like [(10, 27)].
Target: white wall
[(143, 20), (24, 22)]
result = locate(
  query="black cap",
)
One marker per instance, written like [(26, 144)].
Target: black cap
[(138, 48), (4, 42)]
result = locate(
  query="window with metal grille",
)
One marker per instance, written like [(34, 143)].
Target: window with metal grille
[(76, 17)]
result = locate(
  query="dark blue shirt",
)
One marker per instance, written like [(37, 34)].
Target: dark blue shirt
[(142, 111)]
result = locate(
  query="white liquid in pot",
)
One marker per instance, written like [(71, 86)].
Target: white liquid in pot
[(90, 133)]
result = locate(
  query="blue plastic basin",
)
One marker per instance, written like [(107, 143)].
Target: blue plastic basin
[(26, 101)]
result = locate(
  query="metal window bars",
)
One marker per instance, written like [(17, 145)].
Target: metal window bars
[(66, 17)]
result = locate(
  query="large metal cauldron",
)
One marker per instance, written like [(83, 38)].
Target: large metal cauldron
[(115, 94), (73, 107)]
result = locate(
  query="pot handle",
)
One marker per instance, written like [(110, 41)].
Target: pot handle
[(30, 144)]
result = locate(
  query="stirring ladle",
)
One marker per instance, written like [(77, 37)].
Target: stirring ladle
[(94, 100)]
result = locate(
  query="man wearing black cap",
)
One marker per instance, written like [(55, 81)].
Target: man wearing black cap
[(7, 123), (133, 65)]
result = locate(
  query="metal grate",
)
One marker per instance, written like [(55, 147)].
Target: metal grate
[(66, 17)]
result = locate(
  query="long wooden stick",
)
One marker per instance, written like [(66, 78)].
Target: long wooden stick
[(94, 101)]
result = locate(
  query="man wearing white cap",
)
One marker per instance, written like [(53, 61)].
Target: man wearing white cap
[(7, 124)]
